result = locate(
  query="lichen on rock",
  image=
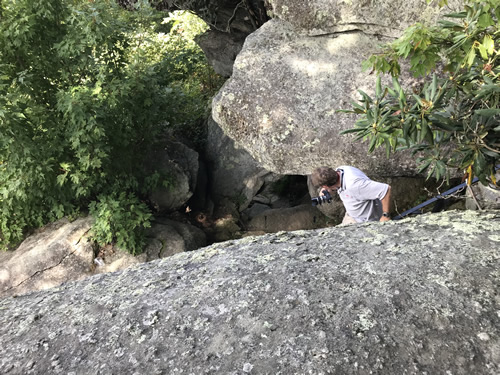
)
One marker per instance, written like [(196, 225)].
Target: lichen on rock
[(319, 301)]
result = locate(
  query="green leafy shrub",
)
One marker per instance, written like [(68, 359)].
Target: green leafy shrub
[(120, 218), (453, 121), (86, 89), (195, 80)]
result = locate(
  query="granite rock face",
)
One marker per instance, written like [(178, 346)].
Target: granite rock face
[(414, 296), (57, 253), (381, 17), (235, 175), (280, 103), (62, 252), (295, 71)]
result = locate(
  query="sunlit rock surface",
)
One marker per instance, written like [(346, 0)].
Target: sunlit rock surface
[(382, 17), (415, 296), (280, 103), (62, 252), (298, 69), (56, 253)]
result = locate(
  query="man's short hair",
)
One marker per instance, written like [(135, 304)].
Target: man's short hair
[(324, 176)]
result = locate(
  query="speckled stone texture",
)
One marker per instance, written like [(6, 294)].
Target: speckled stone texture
[(281, 102), (382, 17), (298, 69), (417, 296)]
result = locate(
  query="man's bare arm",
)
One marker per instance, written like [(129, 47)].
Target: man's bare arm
[(386, 205)]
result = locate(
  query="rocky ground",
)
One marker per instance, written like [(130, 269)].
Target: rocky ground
[(412, 296)]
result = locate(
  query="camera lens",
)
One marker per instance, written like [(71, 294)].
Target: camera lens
[(325, 198)]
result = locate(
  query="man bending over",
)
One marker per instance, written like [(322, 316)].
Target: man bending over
[(364, 199)]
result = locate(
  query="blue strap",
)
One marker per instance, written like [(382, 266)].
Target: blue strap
[(440, 196)]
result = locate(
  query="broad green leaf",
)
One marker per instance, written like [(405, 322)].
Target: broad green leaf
[(443, 122), (372, 145), (61, 179), (490, 153), (387, 148), (396, 85), (423, 166), (418, 99), (365, 96), (434, 87), (488, 44), (471, 56), (483, 52), (406, 131), (448, 24), (424, 129), (456, 15), (430, 172), (485, 20), (486, 90)]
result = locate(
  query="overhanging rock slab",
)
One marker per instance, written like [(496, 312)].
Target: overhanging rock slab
[(281, 102)]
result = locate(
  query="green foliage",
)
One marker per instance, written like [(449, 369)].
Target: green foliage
[(452, 121), (86, 89), (196, 81), (120, 218)]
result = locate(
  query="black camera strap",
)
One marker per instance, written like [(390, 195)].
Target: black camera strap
[(342, 183)]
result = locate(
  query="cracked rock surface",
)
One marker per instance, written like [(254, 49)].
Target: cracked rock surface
[(382, 17), (299, 68), (58, 253), (62, 252), (280, 103), (408, 297)]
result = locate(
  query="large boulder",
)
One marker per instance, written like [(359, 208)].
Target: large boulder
[(234, 174), (386, 17), (280, 103), (168, 237), (415, 296), (62, 251), (180, 164), (57, 253)]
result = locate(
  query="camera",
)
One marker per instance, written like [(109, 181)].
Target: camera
[(326, 198)]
